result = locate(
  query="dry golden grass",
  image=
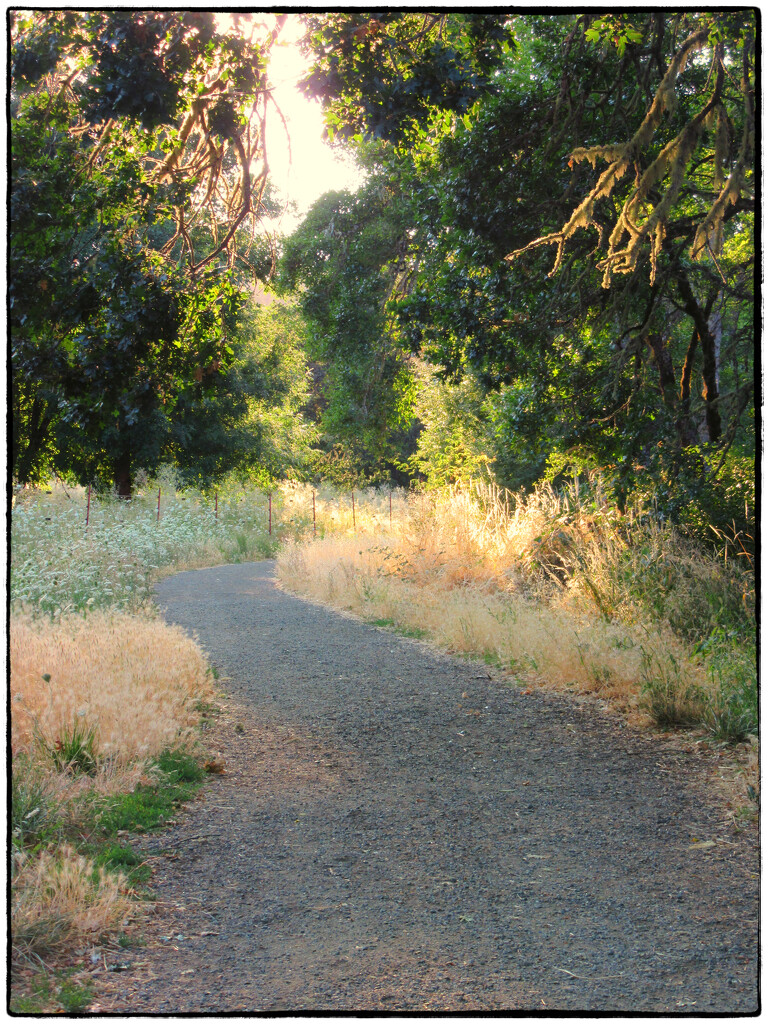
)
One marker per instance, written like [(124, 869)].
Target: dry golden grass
[(552, 644), (558, 587), (133, 679), (134, 683), (562, 591), (59, 898)]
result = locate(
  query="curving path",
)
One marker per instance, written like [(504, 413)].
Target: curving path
[(397, 831)]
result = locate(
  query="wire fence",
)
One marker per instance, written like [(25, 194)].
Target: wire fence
[(272, 516)]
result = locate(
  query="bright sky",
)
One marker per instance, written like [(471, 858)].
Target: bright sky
[(313, 168)]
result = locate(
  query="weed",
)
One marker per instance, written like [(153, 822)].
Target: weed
[(746, 815), (412, 632), (74, 749), (670, 700), (37, 997), (151, 805), (140, 811), (125, 860), (179, 766), (732, 714), (74, 996), (31, 808)]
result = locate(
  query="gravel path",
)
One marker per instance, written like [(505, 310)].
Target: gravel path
[(397, 831)]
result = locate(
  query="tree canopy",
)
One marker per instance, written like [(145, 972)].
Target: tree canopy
[(139, 182), (554, 245), (582, 234)]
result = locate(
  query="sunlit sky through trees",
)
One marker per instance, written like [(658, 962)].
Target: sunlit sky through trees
[(303, 167)]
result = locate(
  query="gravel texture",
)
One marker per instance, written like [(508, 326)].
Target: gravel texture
[(397, 831)]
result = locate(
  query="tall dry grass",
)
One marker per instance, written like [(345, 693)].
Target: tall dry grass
[(133, 680), (119, 689), (456, 606), (557, 587), (59, 897)]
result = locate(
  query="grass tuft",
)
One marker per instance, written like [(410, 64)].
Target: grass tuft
[(74, 749), (60, 897)]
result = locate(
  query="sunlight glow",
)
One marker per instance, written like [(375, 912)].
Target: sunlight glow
[(302, 166), (308, 167)]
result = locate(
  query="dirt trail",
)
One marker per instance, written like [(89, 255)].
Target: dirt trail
[(397, 831)]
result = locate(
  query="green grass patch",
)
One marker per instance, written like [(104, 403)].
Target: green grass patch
[(56, 992), (74, 996), (408, 631), (123, 858), (150, 806)]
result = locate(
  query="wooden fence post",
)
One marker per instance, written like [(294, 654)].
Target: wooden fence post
[(88, 508), (158, 503), (270, 513)]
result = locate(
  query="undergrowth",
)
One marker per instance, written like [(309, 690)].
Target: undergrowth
[(105, 737), (558, 588), (563, 589)]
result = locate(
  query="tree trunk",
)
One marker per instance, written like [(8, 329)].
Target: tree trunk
[(663, 360), (685, 425), (26, 455), (708, 342), (122, 471)]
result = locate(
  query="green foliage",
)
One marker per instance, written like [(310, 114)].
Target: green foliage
[(254, 423), (32, 811), (734, 714), (384, 75), (348, 259), (454, 442), (150, 806), (122, 298), (123, 859), (55, 991), (74, 749), (596, 361), (75, 996), (180, 766)]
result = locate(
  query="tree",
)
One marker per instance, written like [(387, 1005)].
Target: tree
[(253, 424), (384, 74), (349, 259), (137, 165), (692, 175), (639, 128)]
